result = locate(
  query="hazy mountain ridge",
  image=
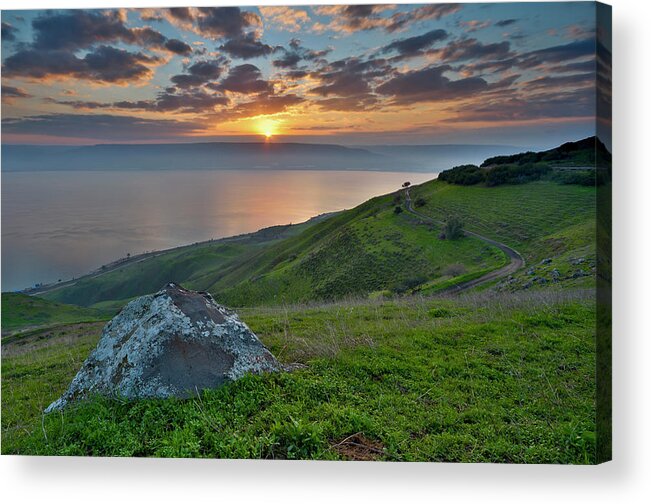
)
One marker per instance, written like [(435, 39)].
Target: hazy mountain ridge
[(243, 155)]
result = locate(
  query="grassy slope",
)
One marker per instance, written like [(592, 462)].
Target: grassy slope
[(505, 378), (356, 252), (542, 220), (20, 312), (191, 266)]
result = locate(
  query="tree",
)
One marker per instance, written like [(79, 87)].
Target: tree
[(397, 210), (453, 228), (420, 202)]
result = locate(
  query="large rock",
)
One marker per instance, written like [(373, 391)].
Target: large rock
[(169, 344)]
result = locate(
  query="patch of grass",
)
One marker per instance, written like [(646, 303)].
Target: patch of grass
[(482, 378), (22, 312)]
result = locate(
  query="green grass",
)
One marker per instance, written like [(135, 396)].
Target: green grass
[(21, 312), (484, 378)]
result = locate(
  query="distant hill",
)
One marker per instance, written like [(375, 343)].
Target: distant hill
[(193, 156), (232, 155)]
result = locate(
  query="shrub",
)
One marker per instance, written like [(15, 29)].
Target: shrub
[(397, 210), (453, 228), (420, 202), (463, 175), (454, 270)]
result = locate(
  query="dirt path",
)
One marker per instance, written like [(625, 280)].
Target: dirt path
[(516, 260)]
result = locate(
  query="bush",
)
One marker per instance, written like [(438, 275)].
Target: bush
[(463, 175), (408, 284), (454, 270), (420, 202), (453, 228), (397, 210)]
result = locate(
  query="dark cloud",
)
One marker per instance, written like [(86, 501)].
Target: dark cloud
[(244, 79), (14, 92), (226, 22), (10, 93), (429, 84), (354, 18), (472, 49), (181, 13), (554, 81), (246, 47), (103, 127), (413, 46), (350, 76), (434, 11), (8, 32), (178, 47), (79, 29), (505, 22), (297, 53), (575, 103), (200, 73), (195, 100), (559, 53), (104, 64)]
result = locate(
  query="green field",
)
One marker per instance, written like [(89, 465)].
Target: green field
[(499, 378), (21, 312)]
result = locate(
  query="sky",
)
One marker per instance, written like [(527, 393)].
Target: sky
[(510, 73)]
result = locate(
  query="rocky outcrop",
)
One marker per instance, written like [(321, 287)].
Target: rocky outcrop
[(170, 344)]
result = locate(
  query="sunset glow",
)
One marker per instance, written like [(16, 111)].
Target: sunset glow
[(376, 74)]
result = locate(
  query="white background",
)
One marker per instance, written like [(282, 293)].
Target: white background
[(626, 479)]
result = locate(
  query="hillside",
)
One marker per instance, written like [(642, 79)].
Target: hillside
[(371, 249), (357, 252), (21, 312)]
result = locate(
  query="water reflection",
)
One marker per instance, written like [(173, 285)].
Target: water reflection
[(63, 224)]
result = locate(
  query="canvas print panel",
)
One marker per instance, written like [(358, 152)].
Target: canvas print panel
[(349, 232)]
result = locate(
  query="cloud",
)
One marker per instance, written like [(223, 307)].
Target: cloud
[(413, 46), (474, 25), (575, 103), (103, 127), (350, 76), (225, 22), (505, 22), (285, 18), (103, 64), (246, 47), (559, 53), (178, 47), (354, 18), (471, 49), (357, 103), (297, 53), (8, 32), (429, 84), (9, 93), (554, 81), (200, 73), (195, 100), (244, 79), (267, 105)]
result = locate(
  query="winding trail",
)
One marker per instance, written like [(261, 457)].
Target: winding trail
[(516, 260)]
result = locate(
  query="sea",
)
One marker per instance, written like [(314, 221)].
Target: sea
[(58, 225)]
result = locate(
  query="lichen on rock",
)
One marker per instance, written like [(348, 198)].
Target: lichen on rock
[(173, 343)]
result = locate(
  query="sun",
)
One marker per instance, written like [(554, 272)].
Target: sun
[(267, 128)]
